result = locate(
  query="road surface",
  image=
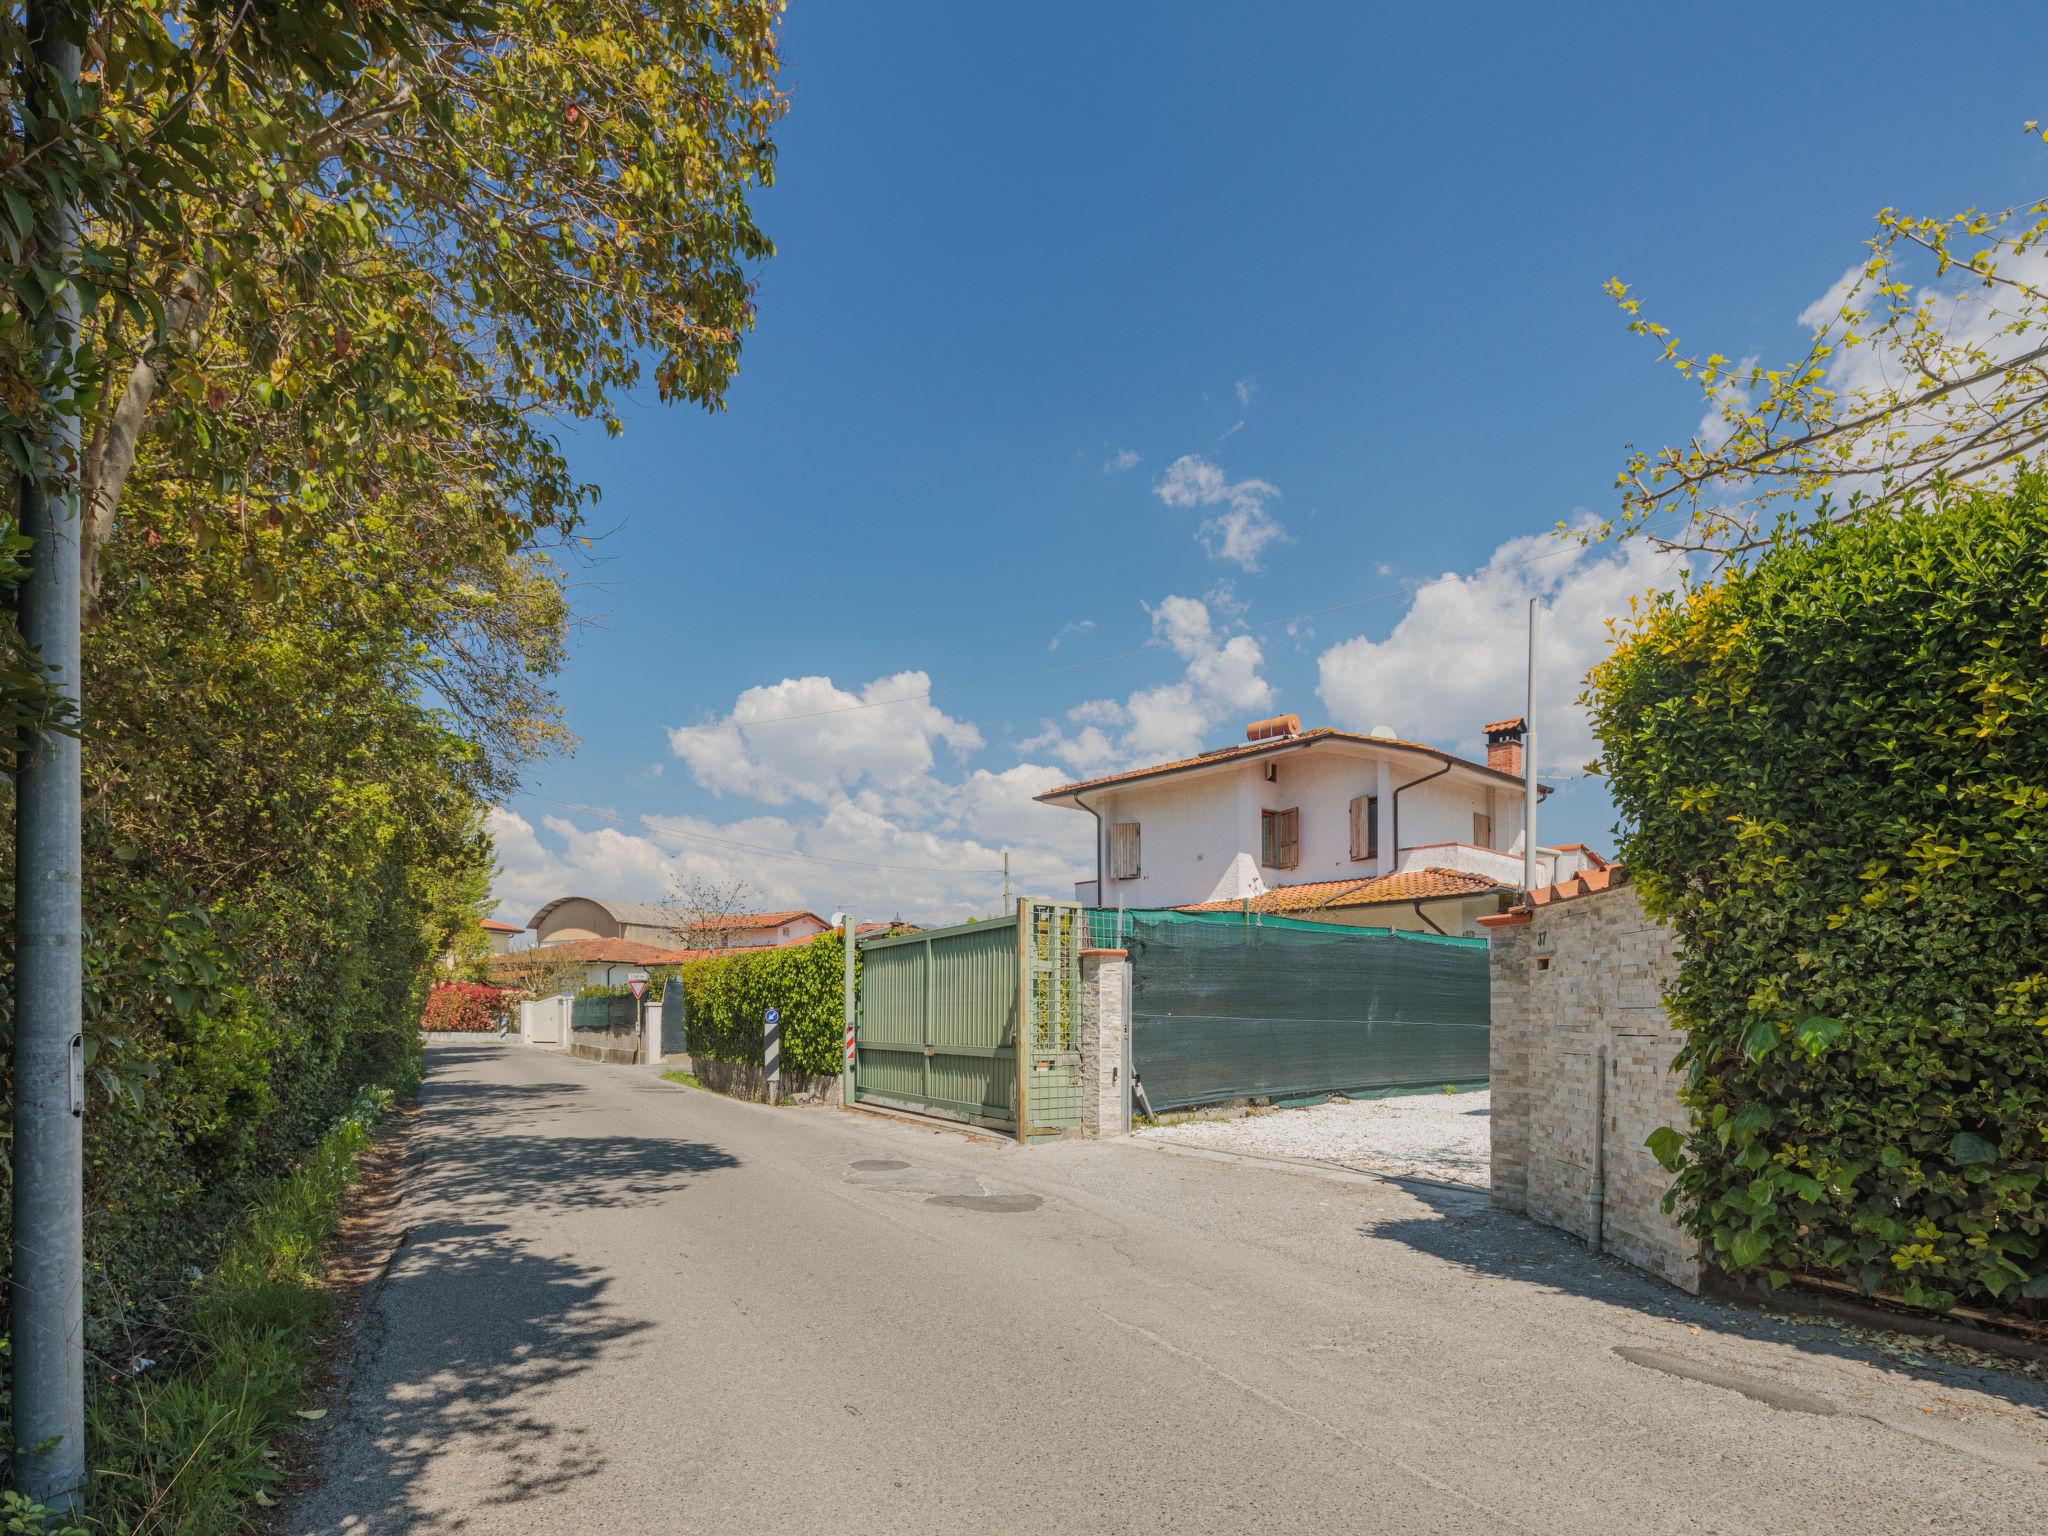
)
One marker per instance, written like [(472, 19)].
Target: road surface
[(628, 1307)]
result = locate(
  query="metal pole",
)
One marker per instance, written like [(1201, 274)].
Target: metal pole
[(1529, 765), (1599, 1148), (1006, 879), (48, 1152), (848, 931)]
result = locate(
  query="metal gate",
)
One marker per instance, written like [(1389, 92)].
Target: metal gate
[(936, 1026)]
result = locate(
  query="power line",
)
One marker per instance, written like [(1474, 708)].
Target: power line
[(781, 853)]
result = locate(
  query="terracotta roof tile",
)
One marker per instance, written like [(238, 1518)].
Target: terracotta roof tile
[(1515, 723), (1427, 884), (492, 925), (1252, 749), (1585, 883)]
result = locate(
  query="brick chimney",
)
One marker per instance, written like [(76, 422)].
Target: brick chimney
[(1275, 729), (1504, 745)]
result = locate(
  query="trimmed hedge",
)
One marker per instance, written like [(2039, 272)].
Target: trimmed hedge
[(464, 1007), (725, 999), (1832, 766)]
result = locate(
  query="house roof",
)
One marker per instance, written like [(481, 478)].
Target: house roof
[(492, 925), (1512, 723), (1252, 750), (651, 914), (1586, 882), (1426, 884), (592, 952)]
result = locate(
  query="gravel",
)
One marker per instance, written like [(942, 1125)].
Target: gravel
[(1442, 1136)]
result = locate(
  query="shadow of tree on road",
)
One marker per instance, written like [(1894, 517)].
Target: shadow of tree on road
[(1467, 1230), (454, 1402)]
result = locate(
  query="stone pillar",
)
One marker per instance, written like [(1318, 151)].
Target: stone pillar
[(650, 1032), (1508, 963), (1104, 1030)]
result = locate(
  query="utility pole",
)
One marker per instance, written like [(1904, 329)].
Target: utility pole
[(1006, 880), (1529, 765), (49, 1061)]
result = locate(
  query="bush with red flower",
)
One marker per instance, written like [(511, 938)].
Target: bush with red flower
[(466, 1007)]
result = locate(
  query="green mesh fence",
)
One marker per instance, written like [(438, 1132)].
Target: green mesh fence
[(1225, 1006)]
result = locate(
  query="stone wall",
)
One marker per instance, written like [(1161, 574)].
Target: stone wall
[(1104, 1028), (1578, 977), (620, 1046)]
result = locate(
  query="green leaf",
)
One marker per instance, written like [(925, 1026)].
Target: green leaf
[(1668, 1147), (1816, 1033), (1968, 1148), (1748, 1247), (1760, 1039)]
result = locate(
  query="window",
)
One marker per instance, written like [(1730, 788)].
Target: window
[(1123, 850), (1280, 839), (1482, 829), (1365, 827)]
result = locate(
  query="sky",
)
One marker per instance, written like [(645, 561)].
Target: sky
[(1127, 372)]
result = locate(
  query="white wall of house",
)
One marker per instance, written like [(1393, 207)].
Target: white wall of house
[(1200, 832)]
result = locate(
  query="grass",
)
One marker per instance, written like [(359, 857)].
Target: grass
[(186, 1449), (687, 1079)]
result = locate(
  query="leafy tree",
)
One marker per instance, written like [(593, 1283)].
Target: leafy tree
[(1832, 767), (704, 911), (1928, 365)]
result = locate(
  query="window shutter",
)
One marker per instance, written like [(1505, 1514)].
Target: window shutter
[(1482, 829), (1365, 827), (1123, 850), (1290, 839), (1266, 838)]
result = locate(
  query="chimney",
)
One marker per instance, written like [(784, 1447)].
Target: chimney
[(1504, 745), (1276, 729)]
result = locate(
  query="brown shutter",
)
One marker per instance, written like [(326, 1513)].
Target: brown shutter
[(1290, 839), (1123, 850), (1365, 827)]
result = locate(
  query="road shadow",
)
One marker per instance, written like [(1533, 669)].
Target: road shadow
[(497, 1148), (454, 1402), (453, 1368), (1466, 1229)]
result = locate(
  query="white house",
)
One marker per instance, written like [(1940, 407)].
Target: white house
[(1331, 825)]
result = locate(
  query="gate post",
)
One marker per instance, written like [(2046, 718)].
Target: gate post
[(1105, 1037), (848, 929), (1024, 1030)]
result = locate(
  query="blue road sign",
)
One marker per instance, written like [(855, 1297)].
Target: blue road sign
[(771, 1016)]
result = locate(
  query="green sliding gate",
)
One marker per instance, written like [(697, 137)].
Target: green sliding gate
[(936, 1027)]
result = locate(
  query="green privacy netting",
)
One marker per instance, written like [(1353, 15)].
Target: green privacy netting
[(1228, 1006)]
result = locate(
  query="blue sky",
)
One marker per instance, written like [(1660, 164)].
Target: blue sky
[(1142, 328)]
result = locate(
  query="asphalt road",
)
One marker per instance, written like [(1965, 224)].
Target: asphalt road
[(628, 1307)]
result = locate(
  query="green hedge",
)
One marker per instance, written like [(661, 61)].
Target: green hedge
[(1832, 766), (726, 997)]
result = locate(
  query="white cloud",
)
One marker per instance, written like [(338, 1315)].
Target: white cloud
[(1243, 527), (1458, 657), (1221, 681), (1247, 391), (826, 754), (1119, 460), (1068, 631)]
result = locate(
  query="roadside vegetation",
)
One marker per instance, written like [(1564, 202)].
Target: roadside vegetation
[(1832, 764), (344, 271)]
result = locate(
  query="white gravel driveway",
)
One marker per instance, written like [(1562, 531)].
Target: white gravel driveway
[(1443, 1136)]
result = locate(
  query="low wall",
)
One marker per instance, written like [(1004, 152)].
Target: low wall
[(620, 1045), (745, 1080), (1580, 977)]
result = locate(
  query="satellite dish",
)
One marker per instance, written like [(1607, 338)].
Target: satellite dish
[(1385, 733)]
